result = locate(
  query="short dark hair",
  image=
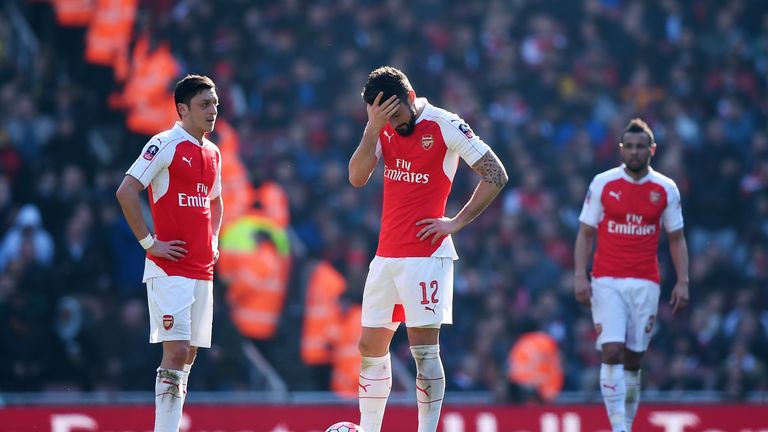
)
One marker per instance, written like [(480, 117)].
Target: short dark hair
[(638, 125), (188, 87), (389, 80)]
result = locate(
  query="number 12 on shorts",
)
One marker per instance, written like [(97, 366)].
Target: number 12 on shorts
[(433, 288)]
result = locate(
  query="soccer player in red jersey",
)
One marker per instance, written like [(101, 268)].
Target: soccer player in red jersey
[(626, 208), (182, 170), (411, 277)]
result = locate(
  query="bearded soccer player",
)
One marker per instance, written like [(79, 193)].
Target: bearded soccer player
[(626, 208), (183, 172), (411, 277)]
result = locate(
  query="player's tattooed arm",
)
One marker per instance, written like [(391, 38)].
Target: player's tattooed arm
[(489, 167)]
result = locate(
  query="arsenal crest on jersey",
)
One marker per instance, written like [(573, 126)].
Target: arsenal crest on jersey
[(655, 197), (427, 141), (167, 322)]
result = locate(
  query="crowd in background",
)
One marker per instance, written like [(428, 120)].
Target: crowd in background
[(549, 85)]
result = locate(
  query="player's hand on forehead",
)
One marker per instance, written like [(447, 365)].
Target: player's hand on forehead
[(379, 112)]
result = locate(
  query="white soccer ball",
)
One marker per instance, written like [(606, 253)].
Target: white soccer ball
[(344, 427)]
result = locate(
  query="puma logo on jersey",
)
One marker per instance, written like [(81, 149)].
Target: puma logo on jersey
[(430, 309), (389, 137), (187, 160), (615, 194)]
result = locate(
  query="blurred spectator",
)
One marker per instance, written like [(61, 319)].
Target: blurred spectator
[(548, 85)]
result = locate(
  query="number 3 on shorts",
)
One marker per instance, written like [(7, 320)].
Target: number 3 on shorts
[(433, 287)]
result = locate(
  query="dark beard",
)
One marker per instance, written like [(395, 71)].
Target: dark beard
[(408, 128), (637, 169)]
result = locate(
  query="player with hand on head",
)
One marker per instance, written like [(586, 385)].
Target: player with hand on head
[(411, 277), (625, 209), (182, 170)]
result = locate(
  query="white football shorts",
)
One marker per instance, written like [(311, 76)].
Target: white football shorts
[(624, 310), (180, 308), (417, 291)]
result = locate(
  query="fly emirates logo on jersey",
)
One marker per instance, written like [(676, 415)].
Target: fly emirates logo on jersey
[(402, 172), (633, 226), (199, 200)]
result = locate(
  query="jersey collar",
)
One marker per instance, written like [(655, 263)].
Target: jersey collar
[(180, 129), (427, 106), (630, 179)]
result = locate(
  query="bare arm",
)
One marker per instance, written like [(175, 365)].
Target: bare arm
[(585, 240), (364, 159), (494, 177), (217, 214), (128, 196), (678, 248)]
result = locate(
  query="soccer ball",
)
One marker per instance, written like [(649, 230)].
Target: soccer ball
[(344, 427)]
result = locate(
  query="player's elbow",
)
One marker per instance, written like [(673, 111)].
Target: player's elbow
[(356, 180), (503, 180), (120, 193), (125, 191)]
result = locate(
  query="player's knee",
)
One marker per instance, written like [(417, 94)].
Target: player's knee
[(369, 349), (177, 354), (632, 360), (613, 353)]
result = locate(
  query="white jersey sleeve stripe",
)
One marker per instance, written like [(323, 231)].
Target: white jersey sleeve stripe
[(143, 169), (470, 149), (592, 210), (672, 217)]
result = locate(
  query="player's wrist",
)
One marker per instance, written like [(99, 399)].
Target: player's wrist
[(147, 242)]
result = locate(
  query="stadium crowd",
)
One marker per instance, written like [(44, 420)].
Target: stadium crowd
[(549, 85)]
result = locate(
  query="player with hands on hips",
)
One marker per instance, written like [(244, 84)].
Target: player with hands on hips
[(181, 169)]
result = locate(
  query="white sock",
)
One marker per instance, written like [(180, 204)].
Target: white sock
[(373, 391), (169, 397), (184, 380), (613, 388), (430, 385), (632, 401)]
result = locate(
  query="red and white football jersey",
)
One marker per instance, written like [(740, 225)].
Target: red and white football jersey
[(628, 215), (183, 177), (418, 174)]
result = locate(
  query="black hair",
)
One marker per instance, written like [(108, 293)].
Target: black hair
[(640, 126), (188, 87), (389, 80)]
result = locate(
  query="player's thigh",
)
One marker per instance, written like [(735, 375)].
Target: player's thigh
[(609, 311), (425, 286), (170, 301), (644, 295), (380, 295), (202, 314)]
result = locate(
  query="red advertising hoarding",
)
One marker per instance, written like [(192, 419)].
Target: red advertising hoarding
[(280, 418)]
